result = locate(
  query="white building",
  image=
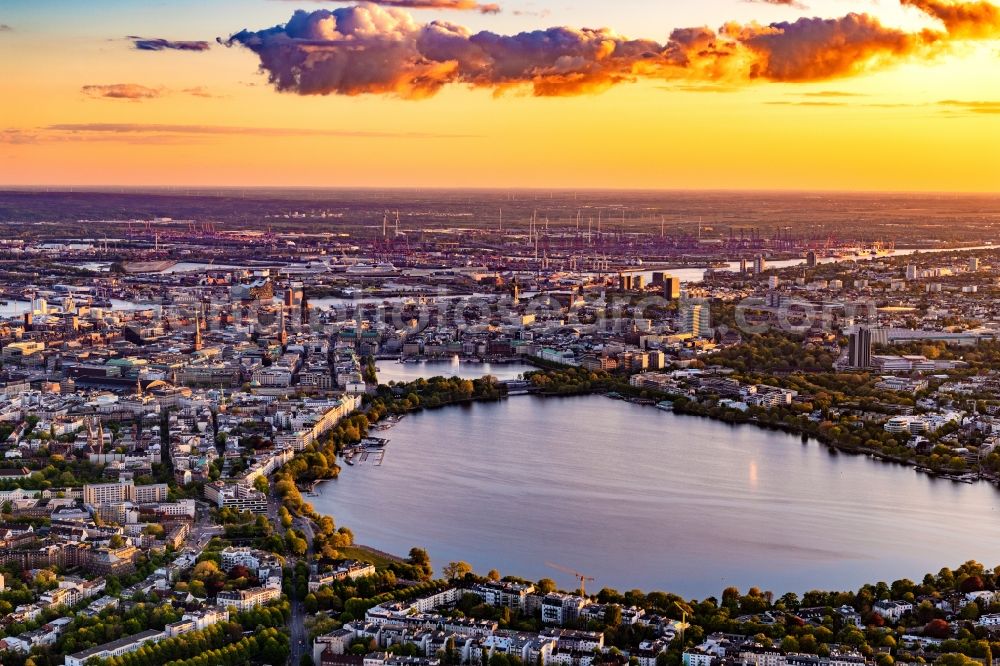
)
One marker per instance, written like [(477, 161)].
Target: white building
[(115, 648)]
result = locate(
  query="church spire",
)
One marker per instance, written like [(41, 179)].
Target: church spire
[(197, 331)]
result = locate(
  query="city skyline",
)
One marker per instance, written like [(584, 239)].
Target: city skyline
[(889, 96)]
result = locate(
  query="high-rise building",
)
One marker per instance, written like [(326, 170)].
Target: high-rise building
[(911, 272), (973, 264), (859, 348), (293, 295), (759, 264), (696, 320), (671, 287), (811, 259)]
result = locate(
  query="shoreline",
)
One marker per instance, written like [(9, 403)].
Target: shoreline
[(833, 449), (752, 421)]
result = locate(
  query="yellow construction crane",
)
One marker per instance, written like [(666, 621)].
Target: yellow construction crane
[(582, 577), (684, 613)]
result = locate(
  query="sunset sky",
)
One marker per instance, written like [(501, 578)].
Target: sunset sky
[(672, 94)]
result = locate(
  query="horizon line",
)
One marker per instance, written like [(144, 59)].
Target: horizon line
[(202, 188)]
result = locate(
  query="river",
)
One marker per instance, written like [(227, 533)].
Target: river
[(641, 498), (698, 274)]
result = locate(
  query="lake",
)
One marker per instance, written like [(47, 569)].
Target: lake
[(394, 371), (642, 498)]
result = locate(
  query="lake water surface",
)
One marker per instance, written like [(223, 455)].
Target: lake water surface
[(394, 371), (641, 498)]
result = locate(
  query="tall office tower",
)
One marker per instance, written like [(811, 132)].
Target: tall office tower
[(697, 320), (973, 264), (671, 287), (859, 348), (811, 260), (759, 264), (911, 272)]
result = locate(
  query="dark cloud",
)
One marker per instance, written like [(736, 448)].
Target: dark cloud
[(372, 49), (136, 92), (5, 28), (128, 91), (143, 44), (784, 3)]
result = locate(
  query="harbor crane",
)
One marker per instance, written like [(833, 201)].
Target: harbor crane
[(583, 578)]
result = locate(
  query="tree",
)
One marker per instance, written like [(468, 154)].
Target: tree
[(206, 569), (546, 586), (456, 570), (493, 575), (154, 530), (937, 628), (420, 559), (260, 484), (955, 659)]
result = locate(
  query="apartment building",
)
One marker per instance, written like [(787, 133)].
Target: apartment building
[(247, 599), (96, 494), (115, 648)]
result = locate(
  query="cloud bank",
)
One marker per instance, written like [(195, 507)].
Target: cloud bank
[(369, 49)]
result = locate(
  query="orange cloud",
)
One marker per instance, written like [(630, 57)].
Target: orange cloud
[(128, 91), (136, 92), (371, 49), (966, 20)]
